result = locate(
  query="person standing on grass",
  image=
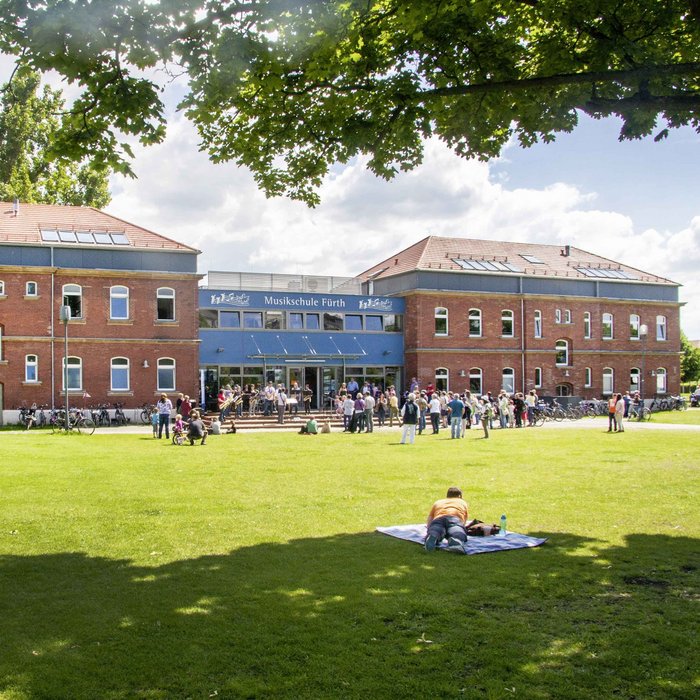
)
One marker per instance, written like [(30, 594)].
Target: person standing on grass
[(409, 413), (486, 415), (619, 413), (393, 407), (456, 409), (154, 421), (165, 408), (448, 518), (348, 410), (281, 404), (434, 408), (612, 403), (369, 412)]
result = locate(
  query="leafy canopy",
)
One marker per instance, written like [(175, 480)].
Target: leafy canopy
[(29, 169), (289, 87)]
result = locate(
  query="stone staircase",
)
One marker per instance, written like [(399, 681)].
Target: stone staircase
[(292, 423)]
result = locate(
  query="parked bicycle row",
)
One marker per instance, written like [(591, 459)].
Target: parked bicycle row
[(35, 416)]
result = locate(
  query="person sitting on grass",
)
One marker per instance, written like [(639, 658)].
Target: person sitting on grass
[(309, 428), (196, 429), (448, 518)]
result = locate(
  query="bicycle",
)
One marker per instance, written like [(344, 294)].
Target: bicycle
[(27, 417), (119, 417), (145, 415), (76, 421), (639, 412)]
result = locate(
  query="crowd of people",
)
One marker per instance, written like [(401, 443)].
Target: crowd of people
[(272, 399)]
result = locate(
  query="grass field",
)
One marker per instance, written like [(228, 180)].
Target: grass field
[(249, 568)]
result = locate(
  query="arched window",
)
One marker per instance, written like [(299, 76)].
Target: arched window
[(538, 324), (587, 377), (567, 315), (507, 326), (442, 379), (74, 374), (119, 302), (2, 288), (634, 380), (119, 374), (608, 381), (607, 327), (587, 325), (661, 328), (561, 350), (634, 326), (31, 368), (508, 380), (166, 304), (661, 387), (73, 297), (538, 377), (441, 326), (475, 323), (166, 374), (557, 316), (475, 380), (31, 289)]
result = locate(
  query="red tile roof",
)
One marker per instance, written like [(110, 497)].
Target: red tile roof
[(439, 253), (25, 227)]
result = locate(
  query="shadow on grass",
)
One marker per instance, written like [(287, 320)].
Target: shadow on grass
[(355, 616)]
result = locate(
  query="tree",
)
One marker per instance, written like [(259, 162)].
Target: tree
[(690, 361), (289, 87), (29, 171)]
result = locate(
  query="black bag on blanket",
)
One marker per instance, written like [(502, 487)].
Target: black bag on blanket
[(478, 529)]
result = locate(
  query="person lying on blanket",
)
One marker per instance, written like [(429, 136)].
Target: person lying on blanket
[(448, 518)]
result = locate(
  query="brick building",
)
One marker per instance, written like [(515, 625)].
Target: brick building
[(487, 315), (133, 330)]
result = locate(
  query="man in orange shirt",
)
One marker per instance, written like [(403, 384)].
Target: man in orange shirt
[(448, 518)]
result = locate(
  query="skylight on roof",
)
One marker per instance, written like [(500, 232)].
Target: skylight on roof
[(49, 235), (486, 265), (605, 273), (531, 259)]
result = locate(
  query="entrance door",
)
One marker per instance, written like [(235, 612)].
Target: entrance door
[(311, 378)]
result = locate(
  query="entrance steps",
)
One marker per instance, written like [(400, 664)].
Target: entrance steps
[(292, 423)]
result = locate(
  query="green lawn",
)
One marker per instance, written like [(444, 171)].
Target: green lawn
[(250, 568)]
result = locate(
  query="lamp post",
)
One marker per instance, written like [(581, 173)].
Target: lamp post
[(65, 317), (643, 332)]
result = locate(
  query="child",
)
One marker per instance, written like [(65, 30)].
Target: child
[(154, 421), (179, 426)]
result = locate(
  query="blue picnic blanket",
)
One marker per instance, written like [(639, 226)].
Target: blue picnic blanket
[(475, 545)]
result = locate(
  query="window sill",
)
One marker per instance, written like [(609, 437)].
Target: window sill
[(76, 322), (31, 383), (164, 322), (31, 296), (120, 322), (120, 392)]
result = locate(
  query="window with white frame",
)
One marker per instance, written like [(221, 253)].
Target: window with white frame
[(634, 380), (31, 368), (561, 351), (119, 374), (2, 288), (165, 297), (538, 324), (73, 298), (634, 326), (608, 381), (538, 377), (567, 315), (475, 380), (166, 374), (607, 327), (442, 379), (587, 377), (661, 387), (119, 303), (31, 289), (557, 315), (441, 326), (73, 373), (475, 323), (507, 325), (661, 328), (508, 380), (587, 325)]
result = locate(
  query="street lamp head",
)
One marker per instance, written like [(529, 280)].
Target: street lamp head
[(643, 330)]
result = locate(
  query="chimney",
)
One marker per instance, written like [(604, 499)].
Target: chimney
[(15, 207), (566, 251)]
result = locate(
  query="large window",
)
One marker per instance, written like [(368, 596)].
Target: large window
[(441, 325), (634, 380), (274, 320), (119, 302), (661, 328), (31, 289), (475, 323), (507, 326), (587, 324), (73, 297), (353, 322), (2, 288), (295, 321), (608, 381), (31, 368), (634, 326), (661, 381), (74, 374), (538, 324), (230, 319), (561, 350), (442, 379), (557, 316), (332, 322), (166, 374), (607, 327), (538, 377), (119, 374), (475, 380), (587, 377), (165, 297), (373, 323), (393, 323), (252, 319), (567, 315), (508, 380), (208, 318), (313, 322)]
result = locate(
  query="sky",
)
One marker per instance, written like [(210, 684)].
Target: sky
[(637, 203)]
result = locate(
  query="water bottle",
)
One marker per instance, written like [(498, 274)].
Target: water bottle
[(502, 532)]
